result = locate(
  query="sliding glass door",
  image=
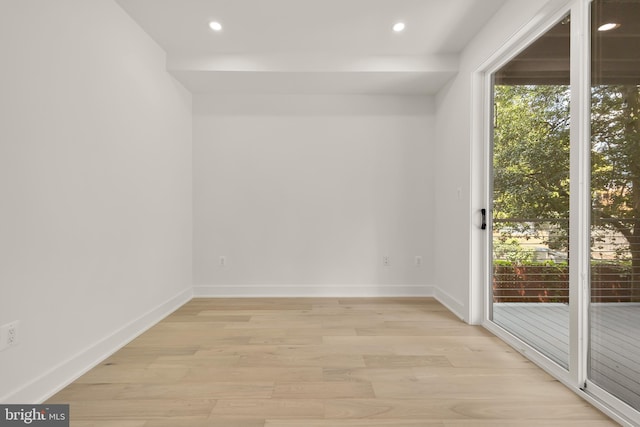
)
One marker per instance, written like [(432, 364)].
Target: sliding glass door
[(564, 200), (614, 313), (530, 194)]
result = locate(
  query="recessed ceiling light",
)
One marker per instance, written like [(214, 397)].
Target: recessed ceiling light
[(215, 26), (398, 27), (608, 26)]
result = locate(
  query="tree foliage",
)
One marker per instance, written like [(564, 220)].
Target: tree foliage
[(531, 158), (616, 156), (531, 152)]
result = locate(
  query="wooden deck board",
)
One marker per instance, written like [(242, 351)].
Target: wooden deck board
[(615, 340), (543, 326)]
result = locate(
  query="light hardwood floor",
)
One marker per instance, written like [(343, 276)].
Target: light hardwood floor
[(321, 362)]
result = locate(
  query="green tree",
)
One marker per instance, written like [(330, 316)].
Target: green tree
[(615, 163), (531, 160)]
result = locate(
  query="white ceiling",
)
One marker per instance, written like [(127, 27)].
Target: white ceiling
[(312, 46)]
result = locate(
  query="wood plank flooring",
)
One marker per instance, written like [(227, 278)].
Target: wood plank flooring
[(321, 362)]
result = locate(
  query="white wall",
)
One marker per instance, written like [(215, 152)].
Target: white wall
[(304, 194), (458, 154), (95, 188)]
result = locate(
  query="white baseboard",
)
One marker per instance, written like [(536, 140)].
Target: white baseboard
[(291, 291), (455, 306), (63, 374)]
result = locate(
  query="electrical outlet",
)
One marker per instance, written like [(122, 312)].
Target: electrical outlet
[(418, 261), (12, 334), (386, 261), (9, 335), (223, 261)]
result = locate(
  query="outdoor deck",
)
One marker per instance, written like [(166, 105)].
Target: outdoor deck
[(615, 340)]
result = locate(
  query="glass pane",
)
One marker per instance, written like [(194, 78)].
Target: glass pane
[(531, 195), (614, 359)]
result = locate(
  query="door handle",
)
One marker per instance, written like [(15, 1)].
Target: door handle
[(484, 219)]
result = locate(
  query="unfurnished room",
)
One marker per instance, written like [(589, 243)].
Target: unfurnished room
[(306, 213)]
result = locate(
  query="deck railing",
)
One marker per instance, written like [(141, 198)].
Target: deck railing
[(531, 263)]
